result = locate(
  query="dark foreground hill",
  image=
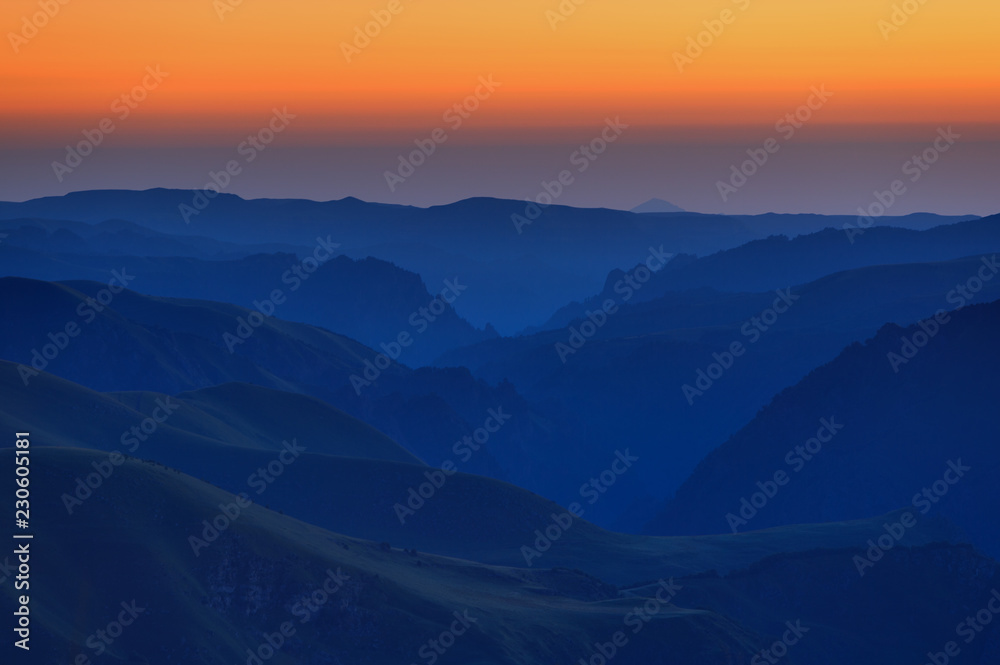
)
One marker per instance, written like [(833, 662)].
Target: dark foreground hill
[(298, 594), (195, 574)]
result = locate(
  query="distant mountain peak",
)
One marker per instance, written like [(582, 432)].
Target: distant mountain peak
[(657, 205)]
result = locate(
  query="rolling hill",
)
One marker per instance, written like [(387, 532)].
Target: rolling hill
[(239, 581), (344, 477), (336, 597), (169, 346)]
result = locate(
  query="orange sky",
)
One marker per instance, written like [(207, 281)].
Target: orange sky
[(614, 58)]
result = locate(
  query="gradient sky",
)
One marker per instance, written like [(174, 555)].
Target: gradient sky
[(687, 128)]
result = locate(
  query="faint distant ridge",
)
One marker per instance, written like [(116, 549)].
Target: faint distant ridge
[(657, 205)]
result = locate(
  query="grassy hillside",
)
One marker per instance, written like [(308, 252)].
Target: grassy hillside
[(169, 346), (213, 419), (256, 417), (469, 516), (212, 607), (208, 602)]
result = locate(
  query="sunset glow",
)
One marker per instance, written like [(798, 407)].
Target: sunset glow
[(224, 64)]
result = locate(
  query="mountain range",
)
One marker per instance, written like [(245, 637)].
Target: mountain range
[(341, 432)]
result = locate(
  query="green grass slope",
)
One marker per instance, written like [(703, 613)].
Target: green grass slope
[(469, 516), (258, 417), (212, 607), (231, 415)]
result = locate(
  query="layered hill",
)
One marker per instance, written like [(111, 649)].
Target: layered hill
[(341, 475), (780, 261), (137, 342), (917, 412), (116, 237), (518, 272), (626, 378), (175, 556), (369, 300), (263, 574)]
